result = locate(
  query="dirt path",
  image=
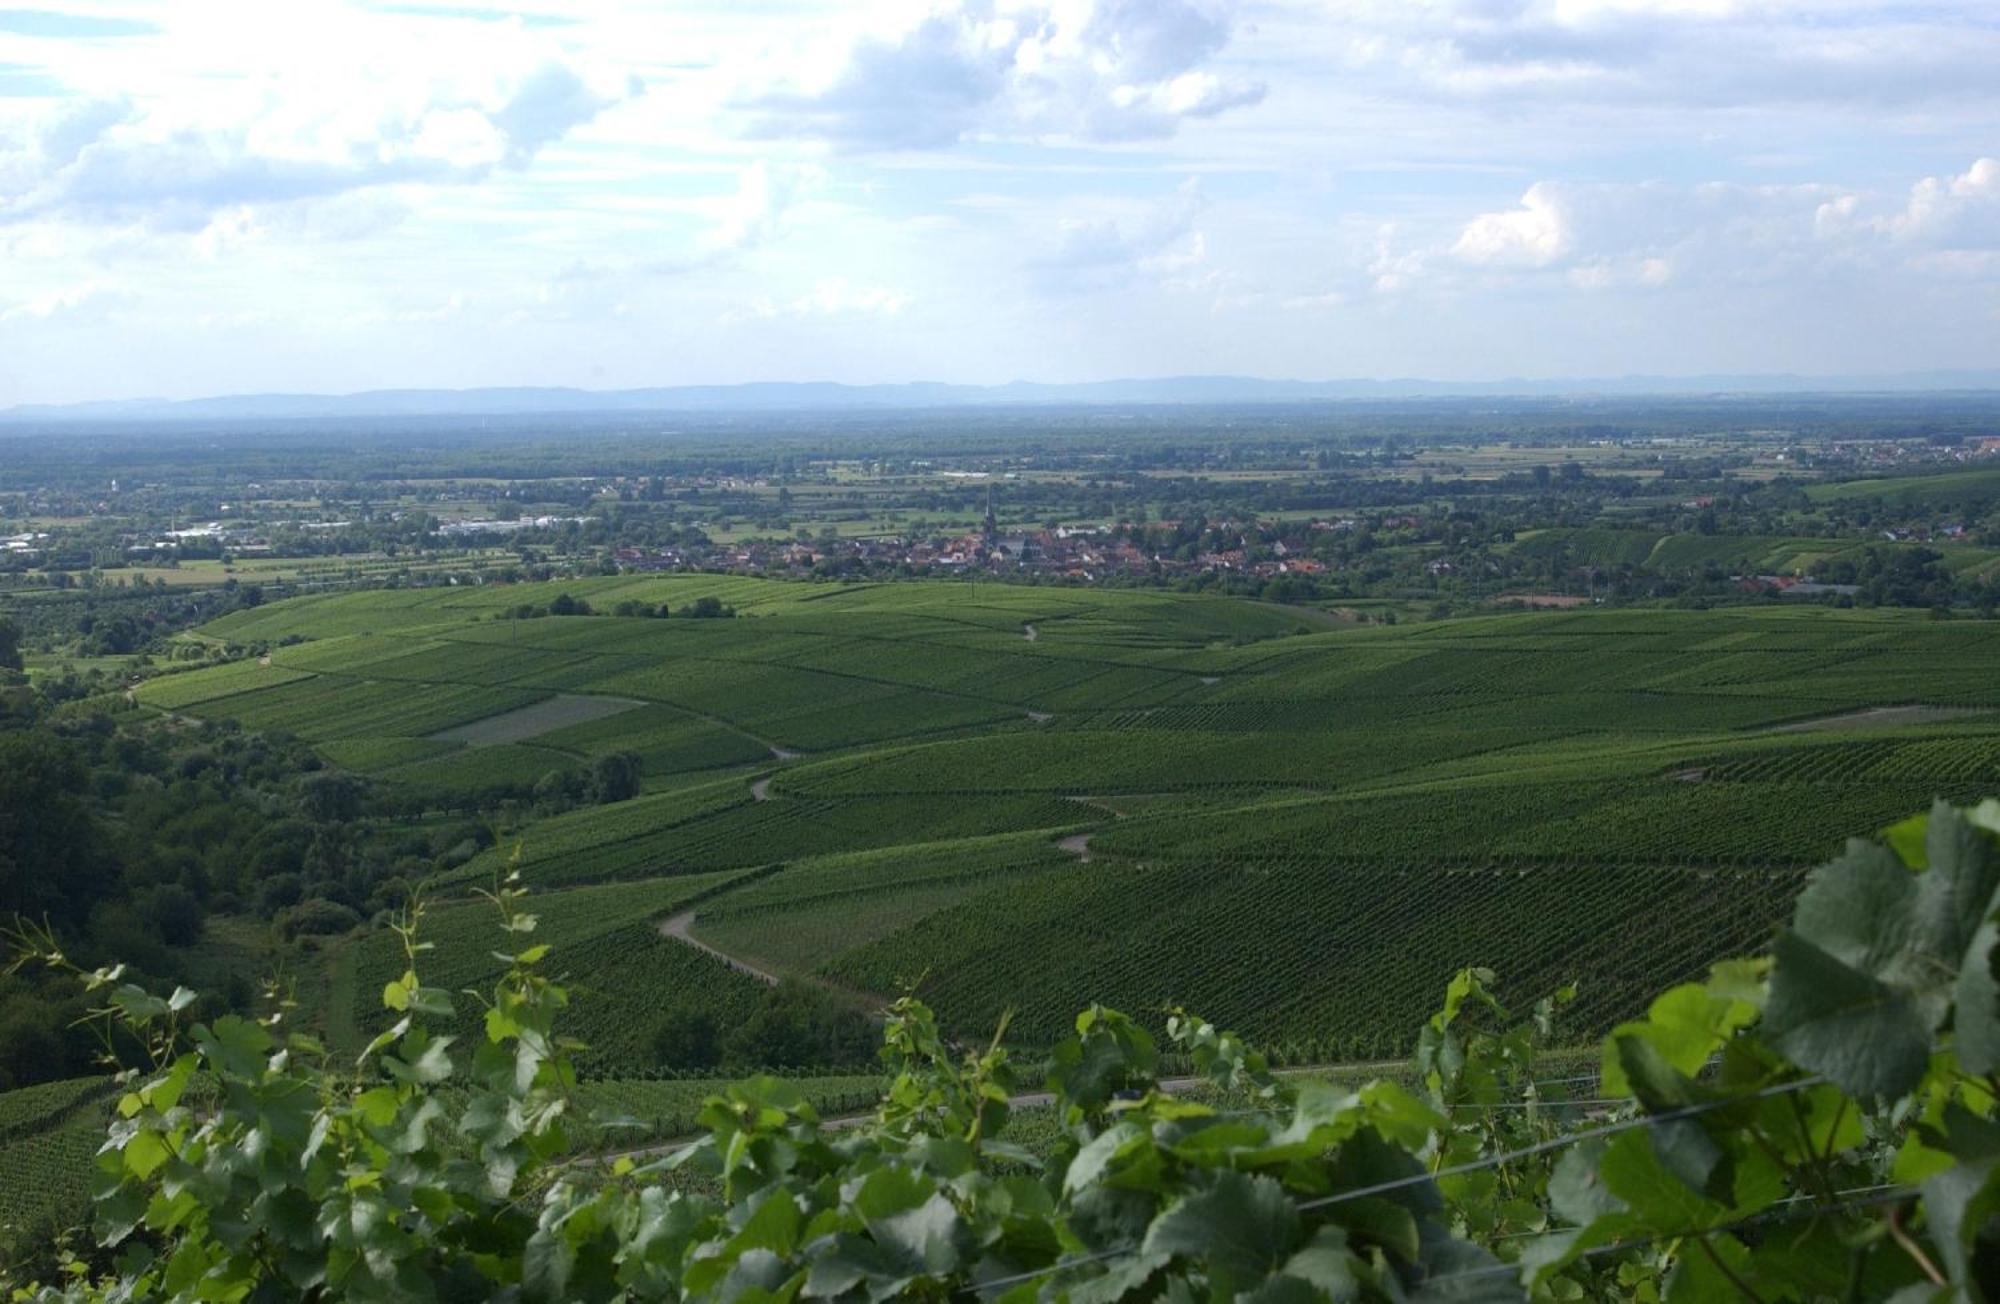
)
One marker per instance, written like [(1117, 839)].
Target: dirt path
[(782, 754), (678, 926), (761, 790), (1076, 844), (1030, 633), (1879, 717), (1040, 717)]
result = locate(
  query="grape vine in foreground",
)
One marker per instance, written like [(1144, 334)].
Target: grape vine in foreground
[(1818, 1124)]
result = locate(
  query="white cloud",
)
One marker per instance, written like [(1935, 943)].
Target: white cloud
[(832, 297), (1161, 241), (767, 193), (175, 146), (1960, 212), (1650, 234), (76, 302), (1533, 235), (1092, 69)]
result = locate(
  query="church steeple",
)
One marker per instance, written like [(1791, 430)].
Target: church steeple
[(992, 526)]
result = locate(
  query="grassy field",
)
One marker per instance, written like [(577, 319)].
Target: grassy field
[(1944, 489), (1757, 554), (1298, 829)]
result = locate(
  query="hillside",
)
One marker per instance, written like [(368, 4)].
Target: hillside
[(1029, 797)]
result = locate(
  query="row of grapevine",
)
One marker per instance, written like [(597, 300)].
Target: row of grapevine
[(1313, 954), (177, 692)]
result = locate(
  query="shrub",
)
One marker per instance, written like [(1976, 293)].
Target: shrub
[(316, 918)]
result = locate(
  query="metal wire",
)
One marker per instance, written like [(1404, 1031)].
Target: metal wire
[(1881, 1195), (1455, 1170), (1558, 1143)]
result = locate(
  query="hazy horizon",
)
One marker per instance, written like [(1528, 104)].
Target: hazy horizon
[(1126, 391), (603, 196)]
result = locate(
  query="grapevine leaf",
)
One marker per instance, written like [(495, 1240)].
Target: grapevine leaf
[(1631, 1170), (1863, 977), (1959, 1201), (1456, 1271), (756, 1275), (912, 1217), (1866, 1036), (1906, 839), (144, 1153), (1576, 1192), (1857, 909), (1682, 1028), (1242, 1229), (1976, 1002), (1956, 892), (1282, 1290), (773, 1226), (1328, 1263), (1705, 1270), (1119, 1141)]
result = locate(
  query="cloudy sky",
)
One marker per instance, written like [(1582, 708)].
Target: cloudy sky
[(205, 196)]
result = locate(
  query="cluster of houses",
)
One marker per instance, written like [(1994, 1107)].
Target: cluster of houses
[(25, 547), (1082, 552)]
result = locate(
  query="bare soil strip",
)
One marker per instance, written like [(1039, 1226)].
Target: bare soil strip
[(761, 790), (535, 719), (1078, 845), (1029, 632), (1880, 717), (678, 926)]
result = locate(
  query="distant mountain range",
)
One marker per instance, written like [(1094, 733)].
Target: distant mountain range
[(828, 396)]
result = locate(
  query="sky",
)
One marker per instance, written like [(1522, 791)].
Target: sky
[(206, 196)]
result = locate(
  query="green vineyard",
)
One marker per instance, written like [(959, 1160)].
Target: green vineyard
[(1153, 800)]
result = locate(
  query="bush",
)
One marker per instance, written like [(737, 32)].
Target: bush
[(800, 1025), (279, 892), (615, 777), (316, 918), (688, 1039), (175, 913)]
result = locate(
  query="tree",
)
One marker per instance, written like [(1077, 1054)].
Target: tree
[(174, 912), (10, 646), (688, 1039), (330, 798), (800, 1025), (52, 859), (615, 777)]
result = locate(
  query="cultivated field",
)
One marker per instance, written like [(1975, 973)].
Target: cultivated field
[(1301, 831)]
